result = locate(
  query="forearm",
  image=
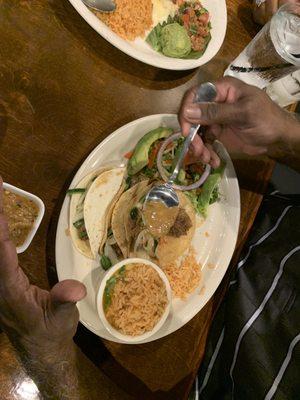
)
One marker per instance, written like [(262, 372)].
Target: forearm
[(65, 374), (287, 150), (55, 373)]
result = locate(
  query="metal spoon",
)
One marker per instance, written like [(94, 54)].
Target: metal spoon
[(165, 193), (101, 5)]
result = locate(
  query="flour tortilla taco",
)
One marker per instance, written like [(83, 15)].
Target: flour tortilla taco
[(91, 206), (122, 221), (136, 239)]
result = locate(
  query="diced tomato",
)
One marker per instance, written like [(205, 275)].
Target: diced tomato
[(190, 159), (186, 19), (128, 155), (153, 154), (204, 18), (202, 32), (198, 168)]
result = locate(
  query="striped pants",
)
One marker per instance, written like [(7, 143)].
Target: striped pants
[(253, 350)]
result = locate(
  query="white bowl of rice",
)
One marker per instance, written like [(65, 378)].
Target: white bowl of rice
[(134, 300)]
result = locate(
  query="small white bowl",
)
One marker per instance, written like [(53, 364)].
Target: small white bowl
[(36, 224), (117, 334)]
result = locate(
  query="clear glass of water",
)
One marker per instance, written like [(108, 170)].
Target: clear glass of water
[(274, 52)]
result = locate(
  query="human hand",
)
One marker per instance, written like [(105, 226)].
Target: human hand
[(263, 13), (34, 319), (242, 117)]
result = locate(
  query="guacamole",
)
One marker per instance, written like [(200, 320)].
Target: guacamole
[(175, 41)]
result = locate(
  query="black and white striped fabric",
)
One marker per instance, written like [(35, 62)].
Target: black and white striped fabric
[(253, 351)]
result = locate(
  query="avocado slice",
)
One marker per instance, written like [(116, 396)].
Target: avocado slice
[(140, 156)]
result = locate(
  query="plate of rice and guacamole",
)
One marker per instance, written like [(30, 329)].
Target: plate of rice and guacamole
[(104, 222), (169, 34)]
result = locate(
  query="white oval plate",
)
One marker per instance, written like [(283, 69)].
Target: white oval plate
[(214, 240), (141, 51)]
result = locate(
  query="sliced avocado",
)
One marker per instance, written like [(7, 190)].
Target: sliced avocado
[(140, 156)]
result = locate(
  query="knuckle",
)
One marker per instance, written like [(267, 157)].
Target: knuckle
[(211, 111), (248, 109)]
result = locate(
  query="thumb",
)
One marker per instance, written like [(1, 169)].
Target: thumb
[(212, 113), (65, 294)]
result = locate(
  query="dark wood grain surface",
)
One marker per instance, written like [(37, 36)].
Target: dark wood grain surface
[(63, 89)]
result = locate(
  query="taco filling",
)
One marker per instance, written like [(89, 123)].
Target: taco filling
[(152, 231)]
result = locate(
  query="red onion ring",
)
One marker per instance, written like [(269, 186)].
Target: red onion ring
[(161, 169)]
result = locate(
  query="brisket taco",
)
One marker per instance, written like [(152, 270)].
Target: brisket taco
[(136, 237)]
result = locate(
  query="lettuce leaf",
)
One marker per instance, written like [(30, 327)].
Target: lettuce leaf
[(210, 193), (154, 38)]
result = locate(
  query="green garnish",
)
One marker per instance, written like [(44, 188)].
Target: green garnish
[(210, 191), (127, 182), (134, 213), (109, 232), (149, 172), (108, 291), (122, 270), (193, 30), (105, 262), (215, 196), (142, 199), (110, 284), (83, 235), (78, 224), (195, 176), (75, 191), (178, 149)]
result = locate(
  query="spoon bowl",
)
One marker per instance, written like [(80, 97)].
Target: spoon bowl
[(105, 6), (164, 193)]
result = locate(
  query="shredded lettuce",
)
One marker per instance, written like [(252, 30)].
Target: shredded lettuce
[(154, 37)]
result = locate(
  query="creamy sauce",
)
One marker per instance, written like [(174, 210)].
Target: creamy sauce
[(159, 218), (161, 10), (21, 214)]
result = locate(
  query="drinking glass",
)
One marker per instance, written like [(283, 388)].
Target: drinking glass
[(274, 52)]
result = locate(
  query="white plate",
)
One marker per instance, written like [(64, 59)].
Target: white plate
[(140, 50), (214, 241)]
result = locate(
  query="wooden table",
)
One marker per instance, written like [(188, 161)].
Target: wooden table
[(63, 89)]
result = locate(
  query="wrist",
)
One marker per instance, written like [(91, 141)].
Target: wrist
[(288, 143), (47, 352)]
